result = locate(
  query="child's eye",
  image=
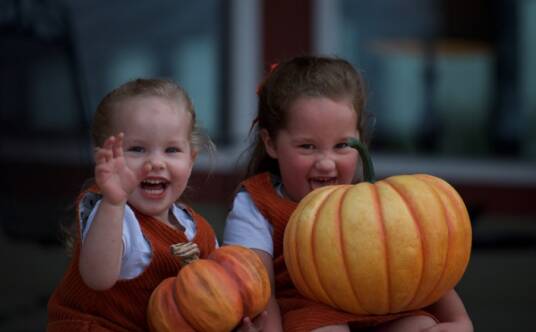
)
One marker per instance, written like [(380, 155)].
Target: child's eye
[(341, 145), (172, 150), (306, 146), (136, 149)]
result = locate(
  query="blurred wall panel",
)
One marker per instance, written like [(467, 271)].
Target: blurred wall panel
[(527, 74)]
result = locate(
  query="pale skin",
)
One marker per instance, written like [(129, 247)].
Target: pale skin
[(449, 310), (255, 325), (116, 181), (312, 144), (100, 256), (148, 164)]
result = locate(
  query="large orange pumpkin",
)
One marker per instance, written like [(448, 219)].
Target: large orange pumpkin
[(376, 248), (212, 294)]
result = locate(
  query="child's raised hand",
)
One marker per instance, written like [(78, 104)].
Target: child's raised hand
[(114, 178)]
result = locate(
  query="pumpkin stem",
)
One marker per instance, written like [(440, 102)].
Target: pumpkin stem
[(368, 168), (187, 252)]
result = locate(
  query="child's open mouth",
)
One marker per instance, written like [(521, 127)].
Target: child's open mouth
[(154, 187), (318, 182)]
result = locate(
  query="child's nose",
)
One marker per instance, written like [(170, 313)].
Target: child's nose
[(325, 163), (158, 165)]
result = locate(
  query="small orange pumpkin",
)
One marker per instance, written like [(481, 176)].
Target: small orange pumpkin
[(211, 294), (163, 311), (377, 248)]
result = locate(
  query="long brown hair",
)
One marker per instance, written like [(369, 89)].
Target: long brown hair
[(302, 76)]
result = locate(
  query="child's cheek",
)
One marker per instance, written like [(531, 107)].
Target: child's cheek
[(351, 169)]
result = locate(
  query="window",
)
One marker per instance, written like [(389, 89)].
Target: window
[(59, 58), (63, 58), (450, 84), (446, 78)]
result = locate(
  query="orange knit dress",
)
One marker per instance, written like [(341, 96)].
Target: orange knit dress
[(298, 313), (75, 307)]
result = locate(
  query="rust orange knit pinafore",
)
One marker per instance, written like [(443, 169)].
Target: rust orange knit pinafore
[(75, 307), (298, 313)]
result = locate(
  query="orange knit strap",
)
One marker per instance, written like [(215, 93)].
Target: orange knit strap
[(274, 208)]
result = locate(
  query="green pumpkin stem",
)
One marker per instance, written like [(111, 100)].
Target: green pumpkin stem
[(368, 168)]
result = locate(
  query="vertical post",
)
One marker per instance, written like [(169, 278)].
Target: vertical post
[(286, 29)]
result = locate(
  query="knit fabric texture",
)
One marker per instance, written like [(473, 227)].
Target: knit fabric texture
[(74, 306), (298, 313)]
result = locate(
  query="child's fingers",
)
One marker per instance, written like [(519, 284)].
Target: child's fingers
[(109, 143), (112, 147), (100, 170), (118, 146), (254, 325), (247, 325), (102, 155)]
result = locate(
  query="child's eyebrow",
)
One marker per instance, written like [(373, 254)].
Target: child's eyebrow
[(178, 141), (133, 141), (301, 139)]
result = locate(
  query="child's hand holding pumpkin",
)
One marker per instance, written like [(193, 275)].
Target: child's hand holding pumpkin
[(254, 325)]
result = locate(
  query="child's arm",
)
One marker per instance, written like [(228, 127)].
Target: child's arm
[(273, 318), (451, 313), (102, 249)]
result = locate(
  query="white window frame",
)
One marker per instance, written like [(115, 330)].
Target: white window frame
[(245, 69)]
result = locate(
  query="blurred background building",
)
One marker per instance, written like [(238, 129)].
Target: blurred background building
[(451, 86)]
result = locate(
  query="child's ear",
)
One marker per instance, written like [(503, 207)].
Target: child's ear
[(194, 155), (269, 144)]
